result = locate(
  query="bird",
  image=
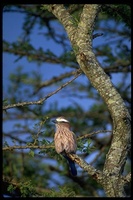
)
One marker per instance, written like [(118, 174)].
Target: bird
[(65, 141)]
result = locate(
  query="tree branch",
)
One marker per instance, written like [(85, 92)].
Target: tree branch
[(127, 178), (40, 101), (81, 41), (96, 174), (64, 17), (33, 146), (11, 148), (54, 79), (93, 133)]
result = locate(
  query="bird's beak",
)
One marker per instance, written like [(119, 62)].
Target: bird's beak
[(54, 121)]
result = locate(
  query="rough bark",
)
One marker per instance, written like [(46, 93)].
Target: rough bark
[(81, 39)]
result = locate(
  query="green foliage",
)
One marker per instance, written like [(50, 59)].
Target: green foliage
[(26, 189), (63, 191), (5, 144), (11, 188), (31, 153), (44, 7), (68, 57), (121, 12)]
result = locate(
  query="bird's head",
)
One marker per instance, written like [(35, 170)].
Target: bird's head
[(59, 120)]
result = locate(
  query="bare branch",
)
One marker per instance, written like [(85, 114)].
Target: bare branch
[(97, 35), (93, 133), (54, 79), (127, 178), (96, 174), (50, 146), (40, 101), (11, 148)]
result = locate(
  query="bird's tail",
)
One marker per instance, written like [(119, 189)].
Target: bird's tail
[(72, 166)]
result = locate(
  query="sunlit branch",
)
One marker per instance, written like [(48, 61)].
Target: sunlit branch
[(96, 174), (54, 79), (40, 101), (11, 148), (93, 133)]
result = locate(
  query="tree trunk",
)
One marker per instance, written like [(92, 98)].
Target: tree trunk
[(81, 40)]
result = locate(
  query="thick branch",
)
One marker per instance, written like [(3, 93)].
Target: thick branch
[(116, 157), (82, 43), (64, 17), (96, 174)]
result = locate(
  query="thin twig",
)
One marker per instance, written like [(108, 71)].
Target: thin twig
[(11, 148), (40, 101), (93, 133), (53, 80), (49, 146), (97, 35)]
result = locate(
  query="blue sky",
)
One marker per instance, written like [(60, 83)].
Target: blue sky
[(12, 24), (12, 30)]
